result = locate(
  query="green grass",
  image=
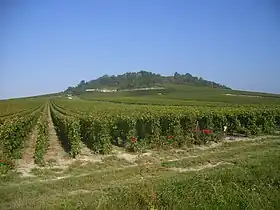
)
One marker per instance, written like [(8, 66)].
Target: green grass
[(227, 153), (253, 184), (252, 181), (185, 95)]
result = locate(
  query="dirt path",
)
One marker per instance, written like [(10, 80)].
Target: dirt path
[(87, 155), (115, 171), (55, 153), (61, 160), (26, 163), (29, 150), (56, 156)]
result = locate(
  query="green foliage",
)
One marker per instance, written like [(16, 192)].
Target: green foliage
[(18, 120), (15, 107), (142, 79), (73, 134), (14, 133), (96, 135), (6, 163), (68, 129), (42, 142), (102, 124)]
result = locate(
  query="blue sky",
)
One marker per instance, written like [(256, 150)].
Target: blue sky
[(47, 46)]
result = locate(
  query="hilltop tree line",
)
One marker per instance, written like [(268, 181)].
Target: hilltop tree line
[(142, 79)]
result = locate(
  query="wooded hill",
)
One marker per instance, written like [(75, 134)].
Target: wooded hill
[(142, 79)]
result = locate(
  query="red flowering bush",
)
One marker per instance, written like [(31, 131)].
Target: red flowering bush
[(170, 139), (133, 145), (203, 136), (206, 131), (133, 140)]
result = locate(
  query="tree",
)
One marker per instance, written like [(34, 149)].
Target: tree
[(82, 83), (176, 74), (142, 79)]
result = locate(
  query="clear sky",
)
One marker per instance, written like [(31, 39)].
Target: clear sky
[(46, 46)]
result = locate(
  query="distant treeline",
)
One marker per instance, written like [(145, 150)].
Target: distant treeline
[(142, 79)]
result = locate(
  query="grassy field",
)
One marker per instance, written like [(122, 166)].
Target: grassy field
[(233, 174)]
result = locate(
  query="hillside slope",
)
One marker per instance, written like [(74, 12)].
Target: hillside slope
[(143, 79), (184, 95)]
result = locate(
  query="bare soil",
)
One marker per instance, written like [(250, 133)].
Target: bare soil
[(55, 154), (26, 163), (199, 168), (87, 155)]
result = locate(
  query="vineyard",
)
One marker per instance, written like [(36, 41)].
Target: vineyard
[(37, 131), (18, 120), (102, 125)]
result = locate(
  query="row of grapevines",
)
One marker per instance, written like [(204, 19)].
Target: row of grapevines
[(93, 132), (155, 125), (15, 129), (42, 141), (14, 132), (68, 129), (11, 107)]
